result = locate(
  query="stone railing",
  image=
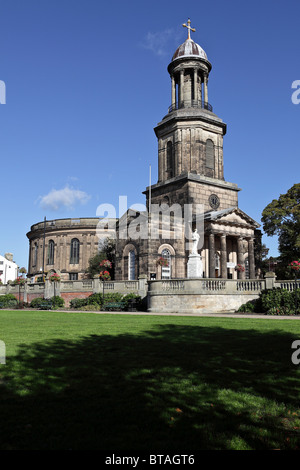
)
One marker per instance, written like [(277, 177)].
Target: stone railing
[(250, 285), (207, 286), (172, 285), (214, 285), (73, 286), (289, 285), (80, 287), (194, 296), (173, 295)]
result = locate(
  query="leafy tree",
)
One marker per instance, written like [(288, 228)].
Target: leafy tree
[(282, 217), (260, 253), (106, 251)]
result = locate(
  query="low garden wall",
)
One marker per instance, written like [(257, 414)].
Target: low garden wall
[(69, 290), (201, 295), (163, 296)]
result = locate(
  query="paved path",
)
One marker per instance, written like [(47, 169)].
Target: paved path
[(219, 315), (226, 315)]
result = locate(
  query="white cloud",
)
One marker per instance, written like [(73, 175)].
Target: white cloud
[(65, 198), (159, 43)]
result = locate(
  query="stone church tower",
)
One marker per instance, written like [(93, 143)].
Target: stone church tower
[(190, 171)]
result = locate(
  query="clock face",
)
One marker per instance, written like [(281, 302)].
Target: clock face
[(214, 201)]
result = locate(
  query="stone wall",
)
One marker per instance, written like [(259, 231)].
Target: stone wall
[(69, 290), (163, 296), (201, 295)]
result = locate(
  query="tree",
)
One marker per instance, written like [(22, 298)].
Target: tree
[(282, 217), (23, 271), (260, 253), (106, 251)]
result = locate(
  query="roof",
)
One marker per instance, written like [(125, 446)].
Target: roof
[(189, 49), (216, 215)]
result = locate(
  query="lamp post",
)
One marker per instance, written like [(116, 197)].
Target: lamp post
[(20, 282), (296, 299), (54, 278), (104, 275)]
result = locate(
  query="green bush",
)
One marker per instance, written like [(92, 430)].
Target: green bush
[(281, 311), (278, 301), (35, 303), (270, 298), (249, 307), (128, 297), (91, 307), (8, 301), (57, 302), (95, 299), (78, 303), (113, 297)]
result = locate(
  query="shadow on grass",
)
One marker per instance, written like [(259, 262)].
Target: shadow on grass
[(177, 387)]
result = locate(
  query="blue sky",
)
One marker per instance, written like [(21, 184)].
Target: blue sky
[(87, 81)]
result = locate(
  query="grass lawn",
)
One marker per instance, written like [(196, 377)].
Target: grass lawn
[(124, 382)]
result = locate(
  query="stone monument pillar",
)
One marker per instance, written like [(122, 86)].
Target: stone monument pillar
[(194, 266)]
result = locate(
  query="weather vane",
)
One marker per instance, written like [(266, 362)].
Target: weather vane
[(188, 26)]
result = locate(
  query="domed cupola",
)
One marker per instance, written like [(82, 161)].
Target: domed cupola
[(189, 70), (190, 49)]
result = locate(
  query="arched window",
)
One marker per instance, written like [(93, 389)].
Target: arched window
[(50, 258), (131, 265), (74, 252), (170, 163), (209, 154), (166, 270)]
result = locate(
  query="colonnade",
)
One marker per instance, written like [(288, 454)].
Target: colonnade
[(196, 88), (224, 255)]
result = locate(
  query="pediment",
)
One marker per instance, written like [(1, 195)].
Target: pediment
[(232, 216)]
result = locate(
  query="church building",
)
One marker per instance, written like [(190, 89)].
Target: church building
[(190, 174)]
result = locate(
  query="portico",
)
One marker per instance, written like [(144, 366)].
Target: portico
[(228, 243)]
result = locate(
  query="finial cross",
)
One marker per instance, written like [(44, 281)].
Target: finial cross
[(188, 26)]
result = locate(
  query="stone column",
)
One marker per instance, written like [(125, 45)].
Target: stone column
[(205, 89), (200, 89), (223, 257), (173, 92), (240, 257), (212, 260), (251, 258), (195, 85), (181, 79)]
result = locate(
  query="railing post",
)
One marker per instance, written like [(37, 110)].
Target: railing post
[(96, 284), (143, 284), (270, 278)]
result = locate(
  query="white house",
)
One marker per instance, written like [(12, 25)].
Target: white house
[(8, 268)]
